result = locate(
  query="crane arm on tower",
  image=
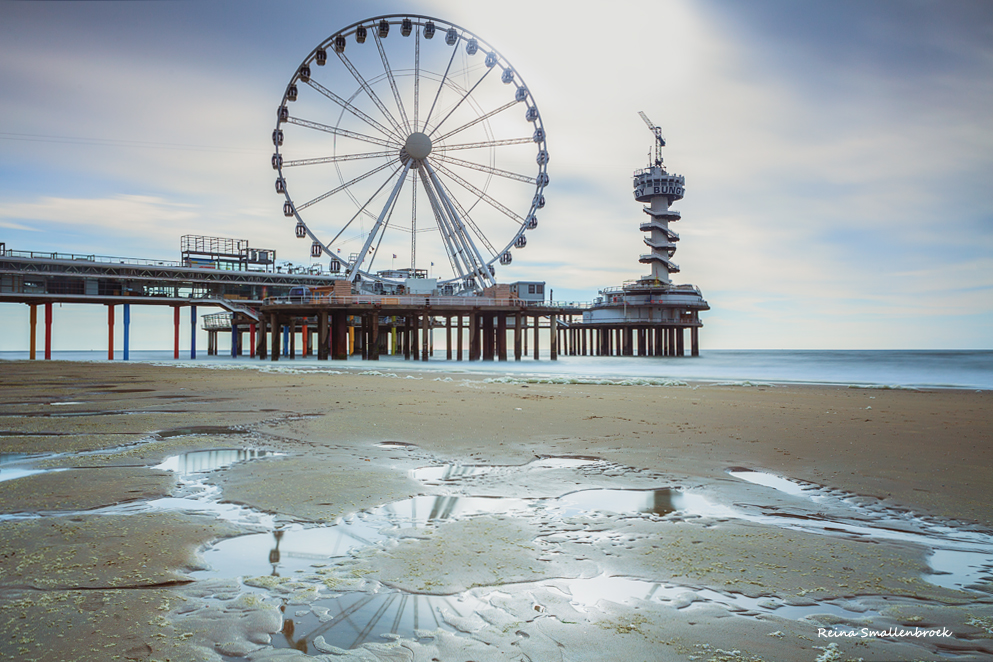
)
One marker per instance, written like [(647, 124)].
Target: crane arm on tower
[(657, 130)]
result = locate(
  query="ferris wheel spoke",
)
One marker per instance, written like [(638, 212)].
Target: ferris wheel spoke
[(338, 158), (471, 255), (482, 195), (340, 132), (363, 208), (488, 169), (325, 196), (463, 98), (417, 83), (393, 83), (370, 93), (476, 121), (413, 224), (441, 85), (353, 271), (354, 111), (489, 143)]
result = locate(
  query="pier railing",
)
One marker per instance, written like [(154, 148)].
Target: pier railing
[(420, 301)]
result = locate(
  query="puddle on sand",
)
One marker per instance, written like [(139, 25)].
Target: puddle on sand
[(303, 559), (199, 429), (351, 619), (960, 560), (455, 471), (19, 465), (196, 462)]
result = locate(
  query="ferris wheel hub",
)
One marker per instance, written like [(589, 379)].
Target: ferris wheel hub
[(418, 145)]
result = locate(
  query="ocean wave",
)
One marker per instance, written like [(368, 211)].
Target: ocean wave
[(636, 381)]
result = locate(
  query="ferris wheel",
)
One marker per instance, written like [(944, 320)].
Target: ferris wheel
[(408, 147)]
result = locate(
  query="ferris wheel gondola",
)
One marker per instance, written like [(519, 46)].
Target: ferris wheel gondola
[(410, 145)]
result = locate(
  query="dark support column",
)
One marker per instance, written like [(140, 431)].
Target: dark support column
[(694, 341), (536, 327), (473, 336), (251, 340), (448, 337), (305, 338), (193, 332), (679, 342), (554, 337), (339, 335), (127, 331), (488, 336), (363, 335), (322, 335), (275, 331), (524, 333), (293, 337), (175, 332), (262, 350), (33, 341), (234, 338), (502, 336), (670, 342), (374, 336), (458, 339), (517, 335), (425, 335), (110, 332)]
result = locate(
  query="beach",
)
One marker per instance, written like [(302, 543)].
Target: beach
[(783, 522)]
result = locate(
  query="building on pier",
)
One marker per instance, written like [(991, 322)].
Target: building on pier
[(648, 316)]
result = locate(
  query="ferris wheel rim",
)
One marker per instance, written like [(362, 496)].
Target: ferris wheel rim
[(394, 140)]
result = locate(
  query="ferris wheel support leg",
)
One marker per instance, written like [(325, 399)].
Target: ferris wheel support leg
[(353, 272), (474, 260)]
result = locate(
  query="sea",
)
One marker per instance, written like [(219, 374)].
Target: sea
[(895, 369)]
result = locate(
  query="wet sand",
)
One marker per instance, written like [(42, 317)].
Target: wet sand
[(93, 580)]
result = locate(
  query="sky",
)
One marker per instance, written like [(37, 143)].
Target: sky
[(837, 155)]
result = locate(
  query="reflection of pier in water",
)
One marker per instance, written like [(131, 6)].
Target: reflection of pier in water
[(197, 462)]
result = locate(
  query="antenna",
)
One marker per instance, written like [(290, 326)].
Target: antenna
[(659, 140)]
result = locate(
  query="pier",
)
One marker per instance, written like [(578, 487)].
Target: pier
[(325, 326)]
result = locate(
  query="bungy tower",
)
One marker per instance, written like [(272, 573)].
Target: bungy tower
[(648, 316)]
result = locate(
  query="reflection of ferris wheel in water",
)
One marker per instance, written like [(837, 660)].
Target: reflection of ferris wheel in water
[(421, 153)]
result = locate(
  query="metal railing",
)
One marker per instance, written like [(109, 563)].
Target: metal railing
[(418, 301), (101, 259)]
